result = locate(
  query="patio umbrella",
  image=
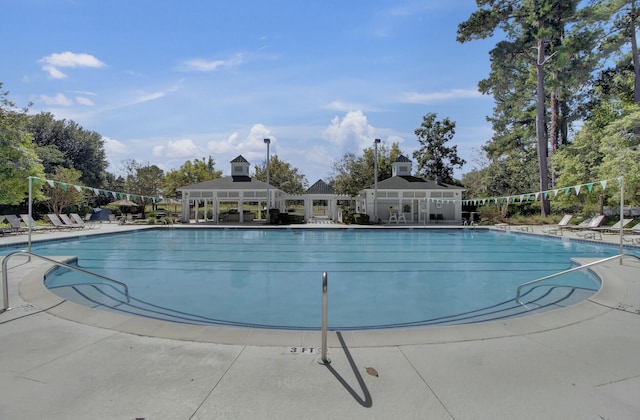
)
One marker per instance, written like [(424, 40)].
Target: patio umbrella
[(123, 203), (169, 202)]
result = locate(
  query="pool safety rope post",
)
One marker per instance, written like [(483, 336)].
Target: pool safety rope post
[(323, 358)]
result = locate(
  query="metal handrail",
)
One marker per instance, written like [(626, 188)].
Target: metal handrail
[(5, 286), (323, 359), (529, 283)]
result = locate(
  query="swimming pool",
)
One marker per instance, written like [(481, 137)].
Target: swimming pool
[(271, 278)]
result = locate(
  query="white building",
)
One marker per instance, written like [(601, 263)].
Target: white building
[(400, 198), (404, 197)]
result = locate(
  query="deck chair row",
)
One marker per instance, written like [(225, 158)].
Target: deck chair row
[(59, 222)]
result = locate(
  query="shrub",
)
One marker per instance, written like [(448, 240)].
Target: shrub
[(361, 219)]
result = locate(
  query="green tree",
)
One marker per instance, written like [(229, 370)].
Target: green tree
[(351, 174), (18, 157), (436, 159), (528, 26), (63, 194), (618, 22), (143, 179), (189, 173), (282, 175), (76, 147), (620, 147)]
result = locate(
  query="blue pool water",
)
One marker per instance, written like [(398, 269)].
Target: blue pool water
[(272, 278)]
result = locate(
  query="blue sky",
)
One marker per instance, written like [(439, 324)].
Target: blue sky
[(166, 81)]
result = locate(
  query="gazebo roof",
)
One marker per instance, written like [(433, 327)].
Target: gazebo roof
[(228, 183), (319, 188), (413, 183)]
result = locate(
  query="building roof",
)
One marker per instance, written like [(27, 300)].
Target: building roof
[(320, 187), (240, 159), (413, 183), (229, 183)]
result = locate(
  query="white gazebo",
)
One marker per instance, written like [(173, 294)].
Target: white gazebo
[(404, 197), (239, 188)]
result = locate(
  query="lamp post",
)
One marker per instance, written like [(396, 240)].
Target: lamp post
[(375, 180), (268, 142)]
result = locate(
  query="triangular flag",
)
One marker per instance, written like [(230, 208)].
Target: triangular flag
[(78, 188), (589, 187), (63, 185), (555, 193), (577, 188), (604, 184), (50, 182), (36, 180)]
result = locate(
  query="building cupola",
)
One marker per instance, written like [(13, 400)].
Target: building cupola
[(401, 167), (240, 167)]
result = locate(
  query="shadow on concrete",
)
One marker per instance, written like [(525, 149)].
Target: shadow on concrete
[(367, 401)]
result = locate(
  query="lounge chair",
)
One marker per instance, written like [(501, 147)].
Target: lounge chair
[(590, 231), (582, 225), (57, 223), (593, 223), (615, 228), (630, 234), (70, 223), (9, 230), (16, 223), (92, 225), (557, 229), (28, 220)]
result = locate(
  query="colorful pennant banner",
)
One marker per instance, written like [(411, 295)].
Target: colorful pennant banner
[(97, 191)]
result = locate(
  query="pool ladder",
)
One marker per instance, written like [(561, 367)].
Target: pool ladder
[(581, 267), (5, 282)]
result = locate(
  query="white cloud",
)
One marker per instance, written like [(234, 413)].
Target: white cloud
[(204, 65), (426, 98), (353, 133), (342, 106), (158, 150), (184, 148), (146, 97), (114, 147), (256, 137), (54, 73), (58, 99), (52, 63), (84, 101), (222, 147)]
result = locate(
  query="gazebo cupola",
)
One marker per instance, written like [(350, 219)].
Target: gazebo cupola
[(401, 167), (240, 167)]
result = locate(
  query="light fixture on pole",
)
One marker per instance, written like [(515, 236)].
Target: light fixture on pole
[(268, 142), (375, 180)]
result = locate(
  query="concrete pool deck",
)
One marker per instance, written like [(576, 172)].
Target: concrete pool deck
[(580, 362)]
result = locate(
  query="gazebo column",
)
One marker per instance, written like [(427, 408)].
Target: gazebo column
[(240, 211), (308, 209), (185, 207)]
